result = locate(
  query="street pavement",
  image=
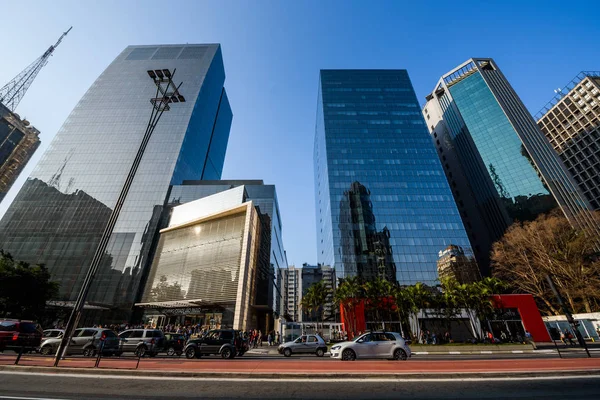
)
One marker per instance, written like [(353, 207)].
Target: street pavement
[(45, 386)]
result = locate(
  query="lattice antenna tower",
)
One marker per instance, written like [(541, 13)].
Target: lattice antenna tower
[(12, 93)]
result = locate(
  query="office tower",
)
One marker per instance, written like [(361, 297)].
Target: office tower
[(499, 164), (383, 205), (571, 122), (18, 141), (313, 274), (60, 213), (292, 292), (206, 261)]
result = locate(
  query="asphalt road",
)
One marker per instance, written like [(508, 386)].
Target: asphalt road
[(32, 386)]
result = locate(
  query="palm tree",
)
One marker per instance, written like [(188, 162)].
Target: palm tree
[(405, 307), (378, 293), (315, 298)]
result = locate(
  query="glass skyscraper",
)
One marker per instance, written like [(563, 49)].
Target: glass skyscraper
[(383, 205), (498, 162), (58, 216)]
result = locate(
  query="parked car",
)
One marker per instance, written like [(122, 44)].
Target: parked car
[(174, 343), (142, 341), (86, 341), (305, 344), (226, 342), (52, 333), (388, 345), (19, 334)]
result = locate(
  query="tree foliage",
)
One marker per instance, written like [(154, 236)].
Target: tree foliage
[(550, 245), (24, 288), (315, 298)]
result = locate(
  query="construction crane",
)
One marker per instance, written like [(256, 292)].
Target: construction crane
[(12, 93)]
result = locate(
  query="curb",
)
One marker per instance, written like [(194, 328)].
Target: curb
[(359, 375)]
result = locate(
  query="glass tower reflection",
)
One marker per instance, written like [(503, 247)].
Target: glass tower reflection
[(59, 215), (383, 205)]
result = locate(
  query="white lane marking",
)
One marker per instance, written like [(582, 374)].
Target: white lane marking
[(27, 398), (517, 351), (487, 352), (320, 380), (421, 352), (454, 352)]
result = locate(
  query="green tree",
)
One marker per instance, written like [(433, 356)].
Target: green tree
[(24, 288), (405, 307), (315, 298), (379, 295)]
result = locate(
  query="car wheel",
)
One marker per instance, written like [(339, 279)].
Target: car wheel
[(348, 355), (400, 354), (140, 351), (89, 352), (287, 352), (192, 352), (46, 350), (226, 353), (171, 351), (320, 353)]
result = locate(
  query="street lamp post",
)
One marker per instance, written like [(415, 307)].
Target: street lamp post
[(166, 94)]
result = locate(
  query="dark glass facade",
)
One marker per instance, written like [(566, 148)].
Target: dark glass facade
[(383, 204), (59, 215), (18, 141)]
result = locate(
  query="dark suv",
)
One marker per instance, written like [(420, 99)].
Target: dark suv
[(142, 341), (16, 334), (226, 342)]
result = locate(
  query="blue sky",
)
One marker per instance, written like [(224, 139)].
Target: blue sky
[(273, 51)]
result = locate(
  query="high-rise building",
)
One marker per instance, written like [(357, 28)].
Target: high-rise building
[(313, 274), (292, 292), (499, 164), (18, 141), (59, 215), (217, 256), (383, 205), (571, 122)]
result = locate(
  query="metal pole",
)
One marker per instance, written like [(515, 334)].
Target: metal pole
[(568, 314), (157, 110)]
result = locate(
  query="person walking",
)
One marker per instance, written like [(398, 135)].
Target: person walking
[(269, 339), (529, 339)]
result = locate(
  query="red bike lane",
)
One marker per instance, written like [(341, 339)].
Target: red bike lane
[(317, 366)]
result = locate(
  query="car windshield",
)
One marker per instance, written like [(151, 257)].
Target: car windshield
[(7, 326), (356, 339)]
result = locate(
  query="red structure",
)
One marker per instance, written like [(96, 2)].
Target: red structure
[(530, 315), (354, 320)]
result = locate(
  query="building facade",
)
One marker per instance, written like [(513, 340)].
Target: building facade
[(196, 200), (18, 141), (383, 205), (292, 292), (312, 274), (208, 263), (571, 122), (500, 166), (59, 215)]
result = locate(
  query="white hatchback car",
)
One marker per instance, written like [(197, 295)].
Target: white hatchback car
[(388, 345)]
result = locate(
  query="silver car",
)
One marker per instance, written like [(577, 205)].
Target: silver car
[(305, 344), (388, 345)]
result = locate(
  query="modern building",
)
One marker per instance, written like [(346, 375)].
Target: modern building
[(59, 215), (292, 292), (18, 141), (571, 122), (454, 264), (383, 204), (499, 164), (221, 246), (313, 274)]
